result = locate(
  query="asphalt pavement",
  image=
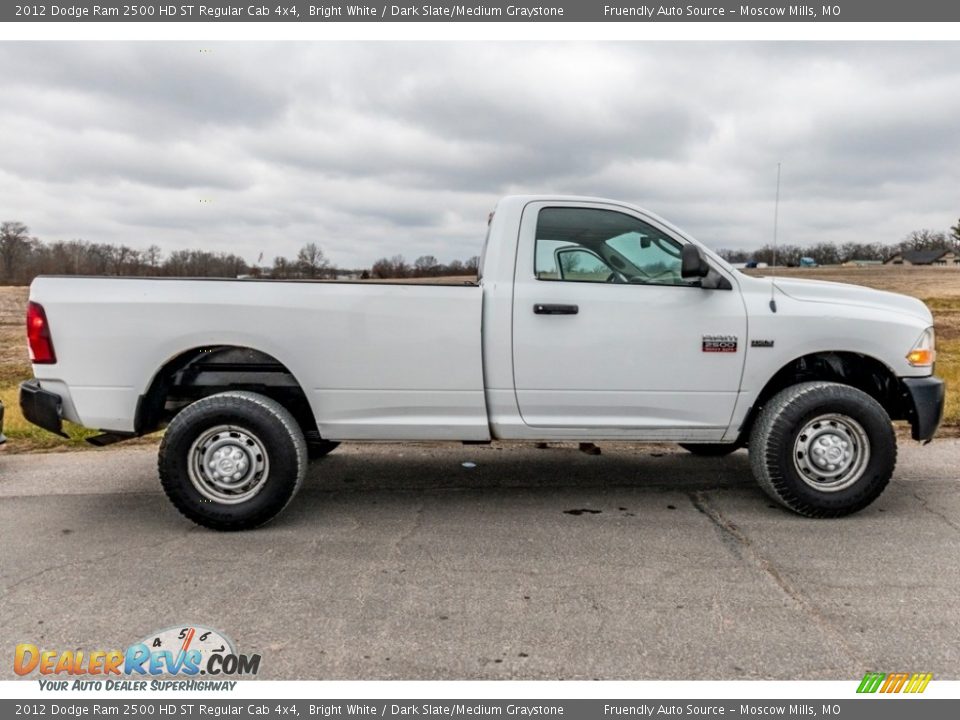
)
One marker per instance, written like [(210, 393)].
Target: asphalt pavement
[(400, 562)]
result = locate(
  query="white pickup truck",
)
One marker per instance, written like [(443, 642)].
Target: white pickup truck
[(591, 320)]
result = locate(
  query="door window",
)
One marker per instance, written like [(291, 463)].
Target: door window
[(594, 245)]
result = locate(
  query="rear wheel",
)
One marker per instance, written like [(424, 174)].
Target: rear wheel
[(710, 449), (823, 449), (232, 461)]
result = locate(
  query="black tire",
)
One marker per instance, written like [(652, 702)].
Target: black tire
[(317, 449), (784, 443), (242, 431), (710, 449)]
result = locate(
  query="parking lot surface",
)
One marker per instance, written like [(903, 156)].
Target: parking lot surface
[(400, 562)]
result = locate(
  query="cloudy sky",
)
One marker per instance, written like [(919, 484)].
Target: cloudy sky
[(374, 149)]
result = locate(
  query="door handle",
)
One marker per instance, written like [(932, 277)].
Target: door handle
[(548, 309)]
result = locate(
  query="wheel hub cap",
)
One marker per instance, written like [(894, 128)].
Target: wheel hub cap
[(831, 452), (228, 464)]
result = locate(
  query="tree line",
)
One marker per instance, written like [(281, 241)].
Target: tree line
[(424, 266), (825, 253), (23, 257)]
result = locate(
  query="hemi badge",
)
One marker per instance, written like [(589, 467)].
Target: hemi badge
[(720, 343), (761, 343)]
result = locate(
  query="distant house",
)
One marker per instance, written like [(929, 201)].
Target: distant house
[(938, 258)]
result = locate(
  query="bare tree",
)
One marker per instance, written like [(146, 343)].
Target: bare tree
[(395, 267), (823, 253), (734, 256), (282, 268), (426, 266), (14, 249), (924, 240), (98, 259), (151, 259), (400, 267), (200, 263), (77, 251), (123, 260), (311, 261), (381, 269)]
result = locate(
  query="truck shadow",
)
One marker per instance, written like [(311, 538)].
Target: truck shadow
[(483, 484), (415, 468)]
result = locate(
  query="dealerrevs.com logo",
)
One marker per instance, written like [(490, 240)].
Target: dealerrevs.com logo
[(184, 651)]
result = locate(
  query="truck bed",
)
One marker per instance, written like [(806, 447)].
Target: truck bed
[(375, 360)]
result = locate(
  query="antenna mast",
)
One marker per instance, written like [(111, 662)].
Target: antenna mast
[(776, 219)]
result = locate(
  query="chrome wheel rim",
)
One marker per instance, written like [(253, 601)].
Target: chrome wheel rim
[(228, 464), (831, 452)]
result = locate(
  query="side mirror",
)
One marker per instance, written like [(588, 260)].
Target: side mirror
[(692, 263)]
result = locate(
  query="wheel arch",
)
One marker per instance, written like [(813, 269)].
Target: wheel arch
[(858, 370), (205, 370)]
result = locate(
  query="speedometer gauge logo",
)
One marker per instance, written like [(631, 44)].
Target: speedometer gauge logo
[(188, 650), (202, 642)]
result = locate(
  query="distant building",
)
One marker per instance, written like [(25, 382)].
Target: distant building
[(936, 258), (855, 262)]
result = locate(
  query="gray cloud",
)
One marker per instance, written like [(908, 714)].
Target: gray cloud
[(374, 149)]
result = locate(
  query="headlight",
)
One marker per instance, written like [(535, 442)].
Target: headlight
[(923, 353)]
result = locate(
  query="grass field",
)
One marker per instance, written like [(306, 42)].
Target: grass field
[(14, 368), (939, 288)]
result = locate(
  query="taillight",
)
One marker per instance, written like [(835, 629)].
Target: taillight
[(38, 336)]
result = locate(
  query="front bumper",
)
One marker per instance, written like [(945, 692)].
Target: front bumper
[(42, 408), (2, 438), (924, 398)]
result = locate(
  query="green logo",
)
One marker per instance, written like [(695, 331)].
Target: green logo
[(894, 682)]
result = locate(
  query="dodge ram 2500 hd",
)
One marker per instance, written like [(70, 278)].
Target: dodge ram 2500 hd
[(591, 320)]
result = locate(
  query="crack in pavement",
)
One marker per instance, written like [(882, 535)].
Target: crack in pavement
[(716, 604), (9, 589), (412, 530), (925, 504), (744, 549)]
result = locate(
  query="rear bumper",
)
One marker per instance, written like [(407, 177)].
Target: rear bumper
[(42, 408), (925, 397), (2, 438)]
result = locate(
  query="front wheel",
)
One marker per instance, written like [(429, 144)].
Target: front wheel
[(232, 461), (823, 449)]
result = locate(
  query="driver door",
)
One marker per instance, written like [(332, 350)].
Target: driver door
[(608, 339)]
